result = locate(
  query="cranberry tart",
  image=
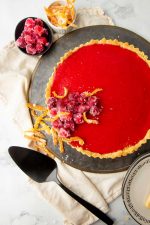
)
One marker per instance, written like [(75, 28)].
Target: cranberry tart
[(99, 96)]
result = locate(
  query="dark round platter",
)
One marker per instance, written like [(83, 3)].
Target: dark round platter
[(44, 71)]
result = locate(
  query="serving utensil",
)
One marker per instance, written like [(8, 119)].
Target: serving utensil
[(41, 168)]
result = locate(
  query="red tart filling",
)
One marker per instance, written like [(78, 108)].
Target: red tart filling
[(125, 80)]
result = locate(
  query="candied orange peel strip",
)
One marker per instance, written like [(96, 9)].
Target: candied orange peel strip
[(34, 138), (44, 127), (61, 146), (61, 96), (89, 121), (36, 107), (54, 136), (71, 139), (39, 119), (35, 132), (88, 94)]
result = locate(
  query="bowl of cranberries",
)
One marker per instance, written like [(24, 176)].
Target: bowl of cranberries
[(33, 36)]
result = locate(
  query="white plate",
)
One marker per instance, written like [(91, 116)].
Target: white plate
[(136, 188)]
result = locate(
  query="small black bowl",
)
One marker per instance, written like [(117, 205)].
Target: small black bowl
[(19, 29)]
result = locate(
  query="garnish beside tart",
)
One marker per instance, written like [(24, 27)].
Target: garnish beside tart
[(34, 37), (118, 121)]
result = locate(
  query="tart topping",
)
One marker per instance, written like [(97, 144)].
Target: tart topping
[(70, 110), (61, 96), (64, 112)]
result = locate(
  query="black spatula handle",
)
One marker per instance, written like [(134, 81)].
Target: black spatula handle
[(97, 212)]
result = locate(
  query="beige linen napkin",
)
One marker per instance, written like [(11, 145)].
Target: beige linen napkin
[(16, 70)]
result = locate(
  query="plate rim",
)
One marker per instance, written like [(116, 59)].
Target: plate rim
[(129, 171)]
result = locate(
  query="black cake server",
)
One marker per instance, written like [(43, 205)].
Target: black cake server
[(41, 168)]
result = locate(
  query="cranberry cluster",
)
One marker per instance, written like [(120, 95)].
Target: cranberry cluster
[(34, 36), (76, 104)]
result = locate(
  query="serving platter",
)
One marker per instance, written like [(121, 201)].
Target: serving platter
[(43, 73)]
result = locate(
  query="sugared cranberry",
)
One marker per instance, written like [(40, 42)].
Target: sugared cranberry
[(66, 117), (69, 125), (95, 111), (38, 30), (30, 22), (78, 118), (92, 100), (57, 124), (73, 96), (30, 49), (21, 42), (51, 103), (64, 133), (61, 106), (39, 48), (53, 111), (81, 99), (29, 39), (42, 40), (83, 108), (39, 22), (28, 30), (71, 105)]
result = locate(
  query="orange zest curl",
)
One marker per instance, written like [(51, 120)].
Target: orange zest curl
[(36, 107), (71, 139), (61, 96), (44, 127), (61, 146), (89, 121), (54, 136), (34, 138), (88, 94), (39, 119), (35, 132)]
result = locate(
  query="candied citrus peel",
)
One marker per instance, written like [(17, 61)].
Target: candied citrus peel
[(35, 132), (89, 121), (44, 127), (34, 138), (88, 94), (54, 136), (36, 107), (39, 119), (61, 15), (71, 139), (61, 146), (61, 96)]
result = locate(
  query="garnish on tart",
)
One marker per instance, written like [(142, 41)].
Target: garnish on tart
[(65, 113)]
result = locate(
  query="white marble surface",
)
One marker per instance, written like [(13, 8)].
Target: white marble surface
[(19, 203)]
